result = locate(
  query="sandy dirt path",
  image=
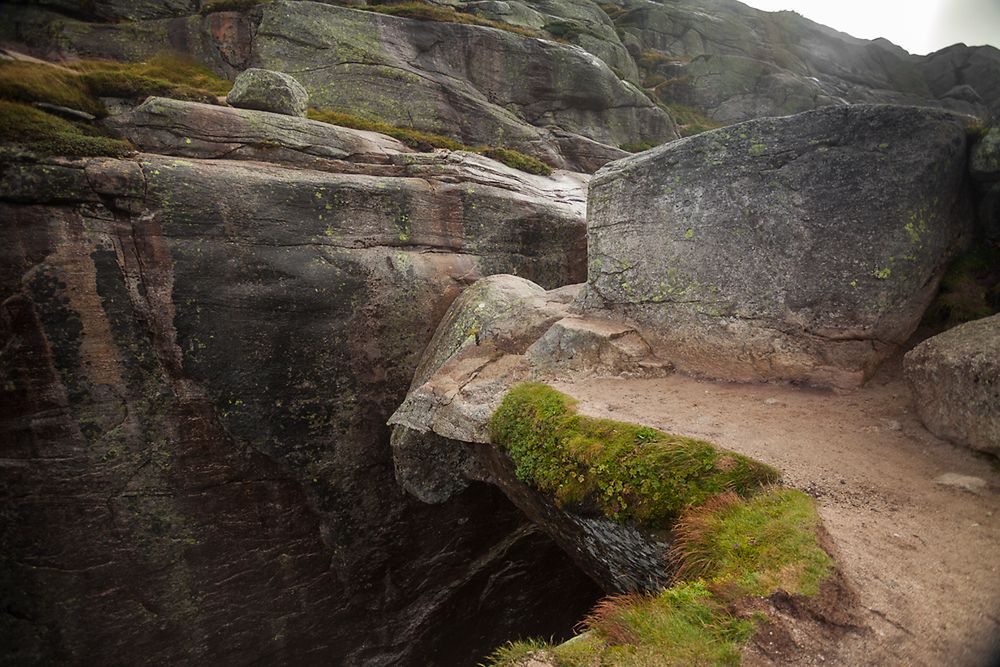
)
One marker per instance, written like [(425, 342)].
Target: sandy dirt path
[(923, 555)]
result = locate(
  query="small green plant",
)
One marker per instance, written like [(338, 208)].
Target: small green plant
[(426, 141), (29, 130), (629, 472)]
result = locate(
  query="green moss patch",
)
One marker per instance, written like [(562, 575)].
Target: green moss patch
[(629, 472), (426, 141), (80, 85), (24, 129), (727, 549), (426, 11), (39, 82), (166, 75)]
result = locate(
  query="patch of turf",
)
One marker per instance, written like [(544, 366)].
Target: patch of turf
[(24, 129), (166, 75), (629, 472), (28, 82), (426, 11), (425, 141)]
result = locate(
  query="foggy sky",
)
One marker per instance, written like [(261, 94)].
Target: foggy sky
[(919, 26)]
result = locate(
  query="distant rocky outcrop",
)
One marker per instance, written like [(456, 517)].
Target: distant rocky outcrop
[(201, 346), (798, 248), (955, 378)]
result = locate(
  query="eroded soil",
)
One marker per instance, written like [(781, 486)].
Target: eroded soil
[(923, 555)]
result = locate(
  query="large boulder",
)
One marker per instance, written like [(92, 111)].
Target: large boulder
[(199, 357), (797, 248), (955, 378), (265, 90)]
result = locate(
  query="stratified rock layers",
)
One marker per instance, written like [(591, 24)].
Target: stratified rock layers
[(198, 360), (798, 248)]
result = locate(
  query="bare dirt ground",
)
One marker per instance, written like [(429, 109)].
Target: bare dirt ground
[(923, 555)]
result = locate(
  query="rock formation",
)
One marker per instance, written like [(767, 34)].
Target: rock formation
[(798, 248), (199, 356), (955, 377), (268, 91)]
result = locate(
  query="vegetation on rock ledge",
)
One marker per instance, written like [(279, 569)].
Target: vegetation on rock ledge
[(24, 129), (630, 472), (734, 538), (427, 141)]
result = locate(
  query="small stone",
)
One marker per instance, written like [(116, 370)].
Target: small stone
[(893, 425), (771, 401), (266, 90)]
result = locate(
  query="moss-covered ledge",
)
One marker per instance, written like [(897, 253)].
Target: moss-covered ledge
[(738, 537)]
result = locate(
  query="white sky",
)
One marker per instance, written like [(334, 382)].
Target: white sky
[(919, 26)]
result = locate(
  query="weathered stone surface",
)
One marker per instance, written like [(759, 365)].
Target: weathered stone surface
[(735, 62), (955, 378), (501, 331), (265, 90), (486, 85), (199, 356), (799, 248), (984, 158)]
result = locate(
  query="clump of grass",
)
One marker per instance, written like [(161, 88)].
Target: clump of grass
[(22, 81), (425, 11), (969, 290), (211, 6), (426, 141), (689, 120), (568, 30), (167, 75), (639, 146), (80, 85), (754, 546), (629, 472), (728, 548), (26, 129), (516, 160), (653, 58)]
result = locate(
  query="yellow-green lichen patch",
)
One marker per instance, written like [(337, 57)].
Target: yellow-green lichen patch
[(630, 472)]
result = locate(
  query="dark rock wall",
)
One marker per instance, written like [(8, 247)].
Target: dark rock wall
[(195, 378)]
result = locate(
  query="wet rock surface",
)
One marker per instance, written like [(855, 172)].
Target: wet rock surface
[(799, 248), (199, 356)]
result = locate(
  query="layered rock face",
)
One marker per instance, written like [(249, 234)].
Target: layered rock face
[(955, 378), (734, 63), (483, 85), (198, 359), (799, 248)]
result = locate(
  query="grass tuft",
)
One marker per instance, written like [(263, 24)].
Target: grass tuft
[(81, 85), (629, 472), (753, 547), (425, 141), (729, 548), (513, 654), (426, 11), (24, 129), (211, 6)]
